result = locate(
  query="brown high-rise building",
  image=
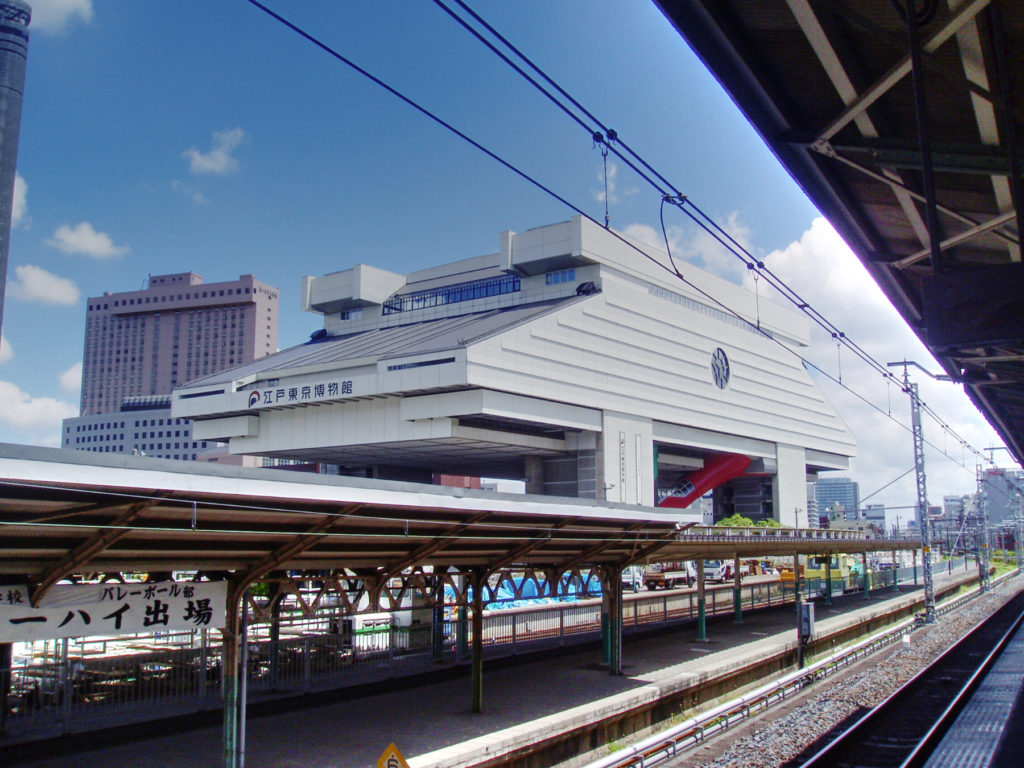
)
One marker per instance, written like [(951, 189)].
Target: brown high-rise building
[(144, 343)]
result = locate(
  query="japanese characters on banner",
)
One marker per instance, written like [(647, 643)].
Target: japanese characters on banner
[(85, 610)]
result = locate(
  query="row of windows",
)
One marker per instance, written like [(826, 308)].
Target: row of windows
[(120, 449), (160, 422), (99, 438), (97, 427), (164, 298), (452, 294), (560, 276), (142, 446)]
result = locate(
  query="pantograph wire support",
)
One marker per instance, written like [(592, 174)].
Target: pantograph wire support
[(923, 519), (599, 139)]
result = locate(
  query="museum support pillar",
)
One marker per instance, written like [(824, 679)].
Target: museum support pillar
[(789, 486)]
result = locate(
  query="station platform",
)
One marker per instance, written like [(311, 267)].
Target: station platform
[(525, 699)]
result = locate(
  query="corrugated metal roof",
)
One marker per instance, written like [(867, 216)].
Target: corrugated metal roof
[(416, 338)]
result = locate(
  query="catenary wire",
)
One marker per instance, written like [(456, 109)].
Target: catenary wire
[(682, 201), (525, 176)]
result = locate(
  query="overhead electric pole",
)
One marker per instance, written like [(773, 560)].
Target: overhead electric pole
[(984, 548), (923, 520)]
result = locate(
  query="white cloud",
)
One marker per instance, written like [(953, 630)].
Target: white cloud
[(57, 15), (19, 205), (71, 379), (83, 238), (613, 185), (36, 284), (821, 268), (6, 353), (696, 246), (219, 159), (190, 192), (23, 411)]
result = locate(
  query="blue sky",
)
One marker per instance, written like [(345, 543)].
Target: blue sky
[(162, 137)]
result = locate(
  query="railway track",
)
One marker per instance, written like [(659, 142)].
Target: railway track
[(673, 745), (905, 728)]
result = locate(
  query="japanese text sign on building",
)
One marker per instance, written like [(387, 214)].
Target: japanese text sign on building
[(85, 610), (299, 393)]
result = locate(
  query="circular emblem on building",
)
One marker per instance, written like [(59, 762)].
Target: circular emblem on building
[(254, 398), (720, 368)]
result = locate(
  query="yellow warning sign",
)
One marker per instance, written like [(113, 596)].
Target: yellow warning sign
[(392, 758)]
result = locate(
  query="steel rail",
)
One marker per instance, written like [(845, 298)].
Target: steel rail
[(693, 732), (843, 749)]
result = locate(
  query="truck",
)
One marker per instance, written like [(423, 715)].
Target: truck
[(670, 575), (722, 570)]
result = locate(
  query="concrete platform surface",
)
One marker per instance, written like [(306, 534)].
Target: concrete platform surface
[(433, 726)]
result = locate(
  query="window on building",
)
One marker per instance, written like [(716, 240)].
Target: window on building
[(560, 276)]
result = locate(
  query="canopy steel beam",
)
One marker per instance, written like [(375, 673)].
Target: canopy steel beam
[(525, 549), (810, 25), (901, 70), (950, 74), (963, 237), (827, 150), (84, 509), (302, 543), (585, 556), (978, 159), (431, 547), (112, 532)]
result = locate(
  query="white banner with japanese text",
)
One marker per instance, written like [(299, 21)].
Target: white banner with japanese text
[(88, 610)]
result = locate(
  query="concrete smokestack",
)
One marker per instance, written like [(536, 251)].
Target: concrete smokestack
[(14, 19)]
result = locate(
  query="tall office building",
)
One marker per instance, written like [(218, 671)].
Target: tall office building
[(144, 343), (1004, 491), (813, 515), (829, 490), (14, 19), (140, 344)]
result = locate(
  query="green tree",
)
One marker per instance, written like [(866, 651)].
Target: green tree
[(735, 521), (770, 522)]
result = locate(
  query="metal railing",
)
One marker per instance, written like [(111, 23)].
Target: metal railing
[(678, 739), (704, 533), (76, 685)]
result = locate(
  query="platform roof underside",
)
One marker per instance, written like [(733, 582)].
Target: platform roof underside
[(67, 512), (827, 84)]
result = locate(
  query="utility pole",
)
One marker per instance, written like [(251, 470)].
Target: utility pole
[(923, 520), (983, 545), (1017, 535)]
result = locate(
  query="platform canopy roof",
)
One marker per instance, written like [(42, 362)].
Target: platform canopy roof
[(66, 512), (829, 86)]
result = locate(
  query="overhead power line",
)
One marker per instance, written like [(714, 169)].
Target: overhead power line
[(677, 198), (672, 195)]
